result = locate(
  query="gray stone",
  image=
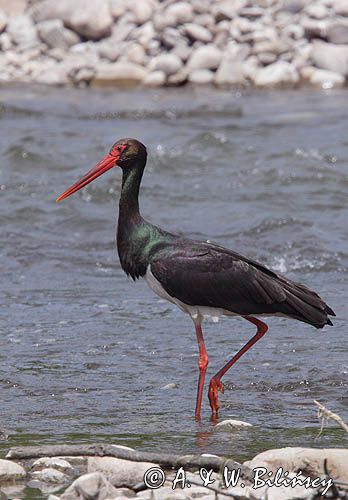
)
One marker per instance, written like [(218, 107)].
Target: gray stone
[(182, 50), (55, 35), (145, 34), (180, 12), (3, 21), (168, 63), (340, 7), (90, 486), (326, 79), (331, 57), (10, 470), (201, 77), (22, 30), (277, 74), (120, 473), (119, 73), (205, 57), (155, 79), (49, 475), (337, 31), (197, 32), (89, 18)]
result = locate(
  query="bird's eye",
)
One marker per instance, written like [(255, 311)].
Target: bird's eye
[(117, 150)]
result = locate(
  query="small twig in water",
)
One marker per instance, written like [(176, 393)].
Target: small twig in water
[(324, 414)]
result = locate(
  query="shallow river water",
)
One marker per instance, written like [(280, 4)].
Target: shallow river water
[(84, 351)]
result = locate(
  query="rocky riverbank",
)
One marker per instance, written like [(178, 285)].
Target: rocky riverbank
[(268, 43), (106, 472)]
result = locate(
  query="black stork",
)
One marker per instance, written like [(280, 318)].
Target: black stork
[(203, 279)]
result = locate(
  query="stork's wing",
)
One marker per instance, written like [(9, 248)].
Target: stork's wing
[(209, 275)]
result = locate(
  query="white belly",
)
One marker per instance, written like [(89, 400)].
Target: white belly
[(197, 313)]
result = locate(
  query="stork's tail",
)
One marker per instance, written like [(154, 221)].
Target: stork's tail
[(307, 306)]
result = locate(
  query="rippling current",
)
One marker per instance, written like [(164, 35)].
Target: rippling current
[(84, 351)]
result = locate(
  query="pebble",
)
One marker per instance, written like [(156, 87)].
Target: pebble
[(119, 73), (197, 32), (326, 79), (277, 74), (201, 76), (205, 57), (330, 57), (168, 63), (155, 79)]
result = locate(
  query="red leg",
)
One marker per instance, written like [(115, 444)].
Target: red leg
[(202, 364), (215, 383)]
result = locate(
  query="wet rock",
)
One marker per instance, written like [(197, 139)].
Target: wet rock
[(205, 57), (155, 79), (120, 473), (331, 57), (90, 19), (340, 7), (22, 30), (180, 12), (201, 77), (52, 463), (3, 21), (168, 63), (119, 73), (10, 470), (55, 35), (337, 32), (49, 475), (230, 425), (88, 486), (326, 79), (197, 32), (278, 74)]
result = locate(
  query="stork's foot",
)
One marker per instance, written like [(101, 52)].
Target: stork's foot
[(214, 387)]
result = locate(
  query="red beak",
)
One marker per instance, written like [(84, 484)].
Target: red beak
[(105, 164)]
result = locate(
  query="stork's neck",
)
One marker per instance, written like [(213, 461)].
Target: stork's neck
[(129, 200)]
